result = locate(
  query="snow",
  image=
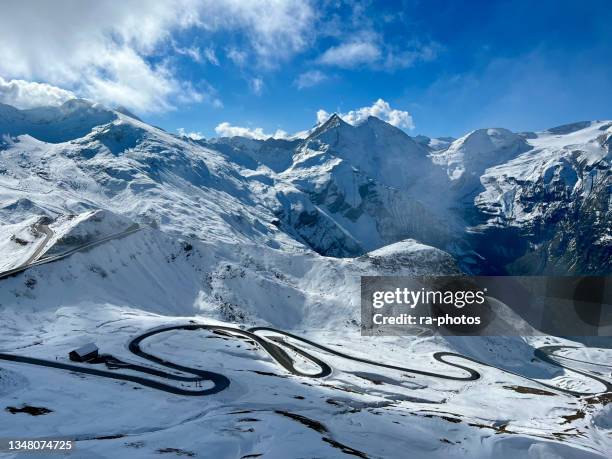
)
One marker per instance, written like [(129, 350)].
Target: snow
[(239, 232), (547, 159), (19, 242), (480, 149)]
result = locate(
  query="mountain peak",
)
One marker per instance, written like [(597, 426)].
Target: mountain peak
[(334, 121), (481, 149), (375, 120), (76, 104), (124, 111), (481, 141), (381, 126)]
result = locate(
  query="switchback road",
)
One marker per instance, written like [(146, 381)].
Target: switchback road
[(273, 344)]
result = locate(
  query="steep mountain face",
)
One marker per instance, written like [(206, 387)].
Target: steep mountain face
[(374, 181), (552, 204), (466, 159), (220, 192), (498, 201)]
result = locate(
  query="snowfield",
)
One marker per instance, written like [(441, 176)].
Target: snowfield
[(128, 228)]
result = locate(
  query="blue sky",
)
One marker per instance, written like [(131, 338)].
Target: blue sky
[(452, 66)]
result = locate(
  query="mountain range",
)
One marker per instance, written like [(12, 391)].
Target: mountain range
[(124, 228), (499, 202)]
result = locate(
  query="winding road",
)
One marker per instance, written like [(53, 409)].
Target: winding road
[(273, 346), (272, 343)]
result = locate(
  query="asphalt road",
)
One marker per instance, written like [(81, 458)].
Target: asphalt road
[(48, 235), (34, 262), (273, 346), (547, 354)]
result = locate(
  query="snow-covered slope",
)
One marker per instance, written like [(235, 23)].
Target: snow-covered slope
[(111, 293), (553, 203), (342, 191), (125, 172), (375, 182), (183, 276), (19, 242), (238, 232), (141, 172), (470, 155)]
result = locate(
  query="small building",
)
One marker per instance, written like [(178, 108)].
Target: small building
[(84, 353)]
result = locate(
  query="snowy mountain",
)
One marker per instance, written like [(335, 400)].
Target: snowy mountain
[(218, 193), (481, 198), (342, 191), (75, 118), (551, 205), (126, 228), (374, 181)]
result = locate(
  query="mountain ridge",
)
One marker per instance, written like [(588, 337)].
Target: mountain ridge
[(342, 191)]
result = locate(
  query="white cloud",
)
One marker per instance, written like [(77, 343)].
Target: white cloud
[(237, 57), (309, 79), (190, 135), (27, 94), (128, 80), (400, 59), (349, 55), (113, 52), (322, 116), (275, 29), (211, 56), (370, 50), (97, 49), (192, 52), (380, 109), (257, 86), (225, 129)]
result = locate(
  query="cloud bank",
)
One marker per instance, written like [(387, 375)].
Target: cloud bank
[(117, 52), (380, 109), (26, 94)]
